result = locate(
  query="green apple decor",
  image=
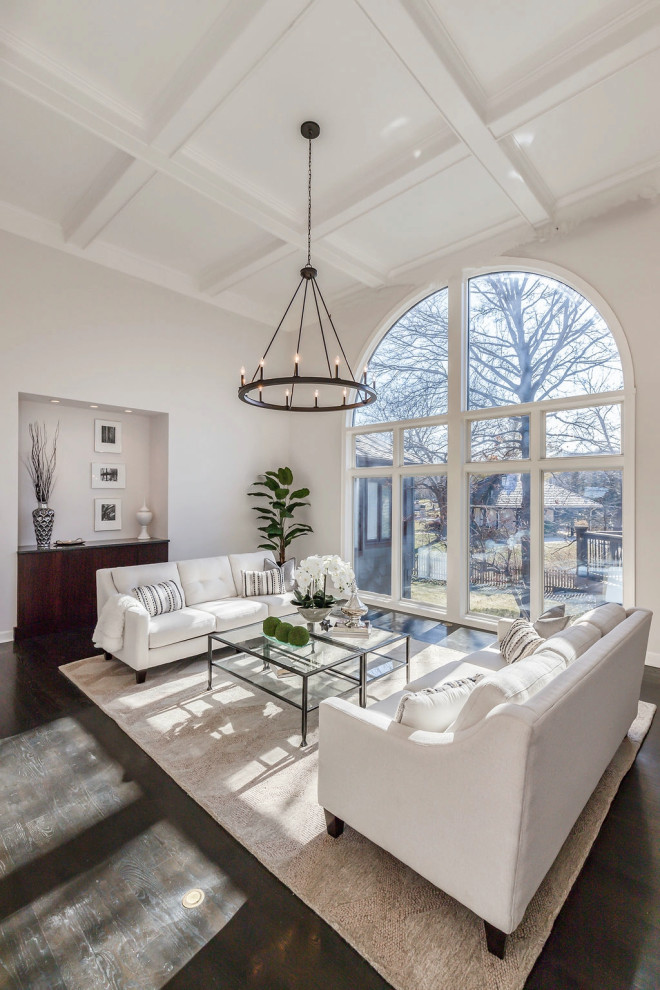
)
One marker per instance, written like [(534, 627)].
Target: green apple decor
[(277, 511)]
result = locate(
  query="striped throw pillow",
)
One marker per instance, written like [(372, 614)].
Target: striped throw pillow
[(520, 641), (262, 583), (166, 596)]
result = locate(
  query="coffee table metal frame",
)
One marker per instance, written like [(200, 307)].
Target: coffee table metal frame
[(280, 655)]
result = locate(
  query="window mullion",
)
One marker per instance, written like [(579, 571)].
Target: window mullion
[(456, 514), (397, 522), (536, 562)]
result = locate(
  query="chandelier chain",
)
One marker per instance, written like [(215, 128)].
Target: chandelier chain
[(309, 203), (356, 392)]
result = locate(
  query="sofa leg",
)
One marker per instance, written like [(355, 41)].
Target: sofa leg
[(106, 655), (334, 825), (495, 940), (140, 676)]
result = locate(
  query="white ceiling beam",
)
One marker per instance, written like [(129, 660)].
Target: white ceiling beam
[(113, 188), (17, 221), (416, 36), (568, 72), (210, 73), (433, 157), (219, 278), (37, 78), (218, 65), (507, 226)]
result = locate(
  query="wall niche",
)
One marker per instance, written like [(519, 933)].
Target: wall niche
[(84, 474)]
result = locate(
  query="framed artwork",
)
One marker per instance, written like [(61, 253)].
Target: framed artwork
[(107, 436), (108, 475), (107, 513)]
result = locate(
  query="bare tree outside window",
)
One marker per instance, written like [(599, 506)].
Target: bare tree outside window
[(409, 366), (533, 338)]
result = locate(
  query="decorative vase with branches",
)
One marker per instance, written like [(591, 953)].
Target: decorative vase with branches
[(277, 511), (40, 466)]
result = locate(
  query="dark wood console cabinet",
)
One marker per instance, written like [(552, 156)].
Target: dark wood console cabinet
[(57, 587)]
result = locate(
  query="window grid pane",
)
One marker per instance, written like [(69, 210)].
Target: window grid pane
[(589, 430), (582, 539), (500, 439), (424, 539), (499, 543), (374, 449), (426, 445), (372, 534), (409, 366)]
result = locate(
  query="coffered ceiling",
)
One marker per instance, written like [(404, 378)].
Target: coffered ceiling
[(161, 137)]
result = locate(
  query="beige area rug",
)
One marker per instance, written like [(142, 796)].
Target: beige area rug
[(235, 750)]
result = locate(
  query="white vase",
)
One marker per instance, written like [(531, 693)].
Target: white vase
[(144, 517)]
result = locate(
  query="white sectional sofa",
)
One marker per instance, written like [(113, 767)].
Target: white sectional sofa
[(482, 811), (213, 603)]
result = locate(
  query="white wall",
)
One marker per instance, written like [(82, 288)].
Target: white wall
[(73, 496), (57, 314), (618, 255), (77, 331)]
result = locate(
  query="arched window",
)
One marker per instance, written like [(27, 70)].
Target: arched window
[(507, 498)]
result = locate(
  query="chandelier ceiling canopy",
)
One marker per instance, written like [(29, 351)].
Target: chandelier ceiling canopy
[(294, 392)]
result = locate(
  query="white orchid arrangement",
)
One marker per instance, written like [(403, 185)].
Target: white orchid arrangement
[(312, 580)]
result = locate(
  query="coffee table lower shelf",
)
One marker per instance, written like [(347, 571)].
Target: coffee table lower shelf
[(319, 671)]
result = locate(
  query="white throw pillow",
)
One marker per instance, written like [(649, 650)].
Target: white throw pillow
[(259, 583), (166, 596), (520, 641), (433, 709), (287, 570), (515, 683)]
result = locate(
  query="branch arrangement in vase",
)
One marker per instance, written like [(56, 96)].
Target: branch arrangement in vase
[(278, 509), (41, 463)]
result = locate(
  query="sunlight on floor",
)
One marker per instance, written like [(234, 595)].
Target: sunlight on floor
[(117, 919)]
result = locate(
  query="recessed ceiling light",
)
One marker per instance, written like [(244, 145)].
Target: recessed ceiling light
[(55, 400), (128, 410), (417, 153), (93, 407)]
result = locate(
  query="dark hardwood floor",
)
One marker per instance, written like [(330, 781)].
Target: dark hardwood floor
[(607, 936)]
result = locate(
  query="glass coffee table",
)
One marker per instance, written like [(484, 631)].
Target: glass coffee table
[(303, 677)]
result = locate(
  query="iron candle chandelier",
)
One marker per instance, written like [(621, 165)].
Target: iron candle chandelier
[(355, 393)]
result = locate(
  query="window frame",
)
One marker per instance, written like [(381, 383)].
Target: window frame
[(458, 468)]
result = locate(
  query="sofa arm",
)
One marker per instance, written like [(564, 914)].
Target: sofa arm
[(135, 650)]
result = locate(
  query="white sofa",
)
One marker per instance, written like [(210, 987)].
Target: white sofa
[(482, 812), (213, 603)]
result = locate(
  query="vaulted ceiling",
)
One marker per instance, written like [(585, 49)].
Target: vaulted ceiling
[(161, 137)]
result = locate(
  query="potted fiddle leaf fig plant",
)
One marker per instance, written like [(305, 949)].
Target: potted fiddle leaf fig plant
[(277, 509)]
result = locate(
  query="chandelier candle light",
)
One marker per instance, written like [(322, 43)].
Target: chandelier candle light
[(355, 393)]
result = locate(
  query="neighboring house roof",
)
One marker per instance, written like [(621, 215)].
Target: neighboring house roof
[(510, 496)]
